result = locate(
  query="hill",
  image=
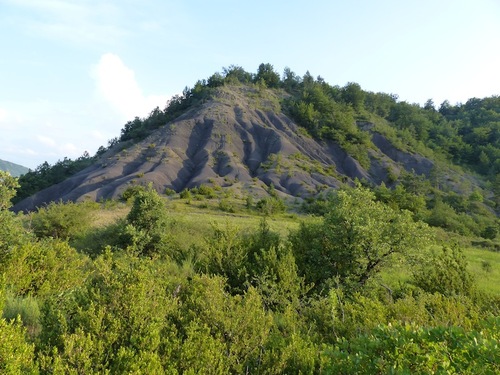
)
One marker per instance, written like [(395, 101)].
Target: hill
[(239, 138), (297, 137), (15, 170)]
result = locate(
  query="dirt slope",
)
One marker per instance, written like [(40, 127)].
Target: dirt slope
[(240, 139)]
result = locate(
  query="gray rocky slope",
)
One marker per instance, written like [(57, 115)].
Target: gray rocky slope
[(236, 140)]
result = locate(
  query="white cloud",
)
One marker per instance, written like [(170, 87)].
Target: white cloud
[(46, 141), (117, 85)]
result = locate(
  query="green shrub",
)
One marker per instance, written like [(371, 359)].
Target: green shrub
[(405, 349), (130, 192), (169, 192), (271, 205), (226, 205), (446, 273), (16, 355), (63, 220), (147, 223), (186, 194), (206, 191), (45, 267)]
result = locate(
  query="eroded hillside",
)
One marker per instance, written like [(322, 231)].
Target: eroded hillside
[(240, 138)]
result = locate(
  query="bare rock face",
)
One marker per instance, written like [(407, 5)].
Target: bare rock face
[(231, 140)]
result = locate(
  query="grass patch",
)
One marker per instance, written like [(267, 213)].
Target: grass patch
[(485, 266)]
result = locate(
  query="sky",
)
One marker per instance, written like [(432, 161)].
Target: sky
[(73, 72)]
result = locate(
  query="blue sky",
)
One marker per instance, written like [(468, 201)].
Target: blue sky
[(73, 72)]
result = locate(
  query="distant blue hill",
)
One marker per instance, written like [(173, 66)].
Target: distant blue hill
[(14, 169)]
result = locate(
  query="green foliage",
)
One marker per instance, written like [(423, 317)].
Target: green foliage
[(94, 241), (490, 232), (355, 239), (169, 192), (236, 74), (97, 328), (239, 322), (266, 74), (63, 220), (400, 198), (131, 192), (234, 301), (352, 94), (147, 225), (8, 188), (186, 194), (444, 216), (44, 268), (203, 190), (243, 301), (414, 349), (329, 113), (276, 278), (225, 205), (46, 175), (12, 233), (270, 205), (446, 273), (16, 355), (224, 254)]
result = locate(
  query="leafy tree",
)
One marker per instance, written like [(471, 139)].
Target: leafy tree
[(12, 232), (8, 188), (267, 74), (352, 94), (236, 73), (356, 238), (291, 80), (215, 80)]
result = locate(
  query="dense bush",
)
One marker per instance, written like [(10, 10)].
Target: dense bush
[(63, 220), (357, 237)]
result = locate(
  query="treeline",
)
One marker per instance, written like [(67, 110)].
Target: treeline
[(133, 297), (46, 175)]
